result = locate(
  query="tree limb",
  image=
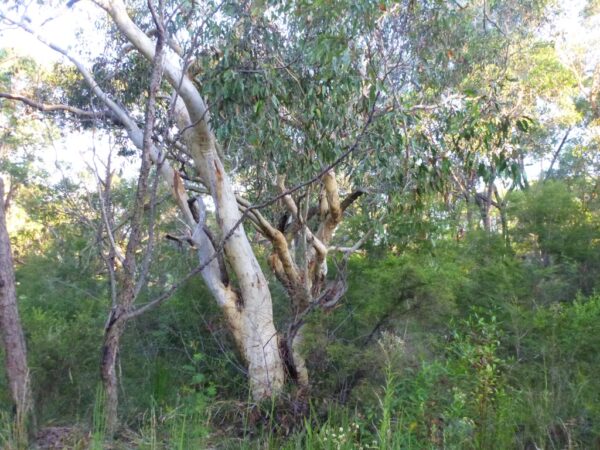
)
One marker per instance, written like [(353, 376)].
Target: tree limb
[(556, 153), (53, 107), (349, 250), (351, 198)]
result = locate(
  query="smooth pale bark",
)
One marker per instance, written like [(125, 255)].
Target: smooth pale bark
[(253, 325), (248, 310), (249, 313), (226, 296), (15, 352)]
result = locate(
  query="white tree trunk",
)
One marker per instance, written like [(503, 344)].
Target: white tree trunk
[(253, 323)]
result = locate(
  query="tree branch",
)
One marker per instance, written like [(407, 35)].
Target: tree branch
[(351, 198), (53, 107), (171, 177), (556, 153), (349, 250)]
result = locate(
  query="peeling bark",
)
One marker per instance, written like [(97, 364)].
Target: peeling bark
[(247, 306), (255, 321), (306, 289)]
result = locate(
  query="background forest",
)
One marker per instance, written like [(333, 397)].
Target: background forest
[(306, 224)]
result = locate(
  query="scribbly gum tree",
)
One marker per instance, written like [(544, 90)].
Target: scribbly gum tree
[(266, 122), (263, 120), (280, 118), (283, 133)]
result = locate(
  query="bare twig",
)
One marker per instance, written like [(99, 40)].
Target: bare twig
[(350, 250), (53, 107), (556, 153)]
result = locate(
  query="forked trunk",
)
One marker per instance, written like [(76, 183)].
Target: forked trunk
[(303, 270)]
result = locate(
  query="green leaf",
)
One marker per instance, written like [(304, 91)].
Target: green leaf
[(274, 101)]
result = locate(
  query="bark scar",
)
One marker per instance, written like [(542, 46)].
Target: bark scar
[(288, 358), (218, 171), (177, 184)]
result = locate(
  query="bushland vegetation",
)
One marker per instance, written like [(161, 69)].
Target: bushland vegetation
[(305, 224)]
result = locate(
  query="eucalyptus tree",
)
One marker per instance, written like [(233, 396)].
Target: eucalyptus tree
[(489, 106), (276, 116), (244, 295)]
